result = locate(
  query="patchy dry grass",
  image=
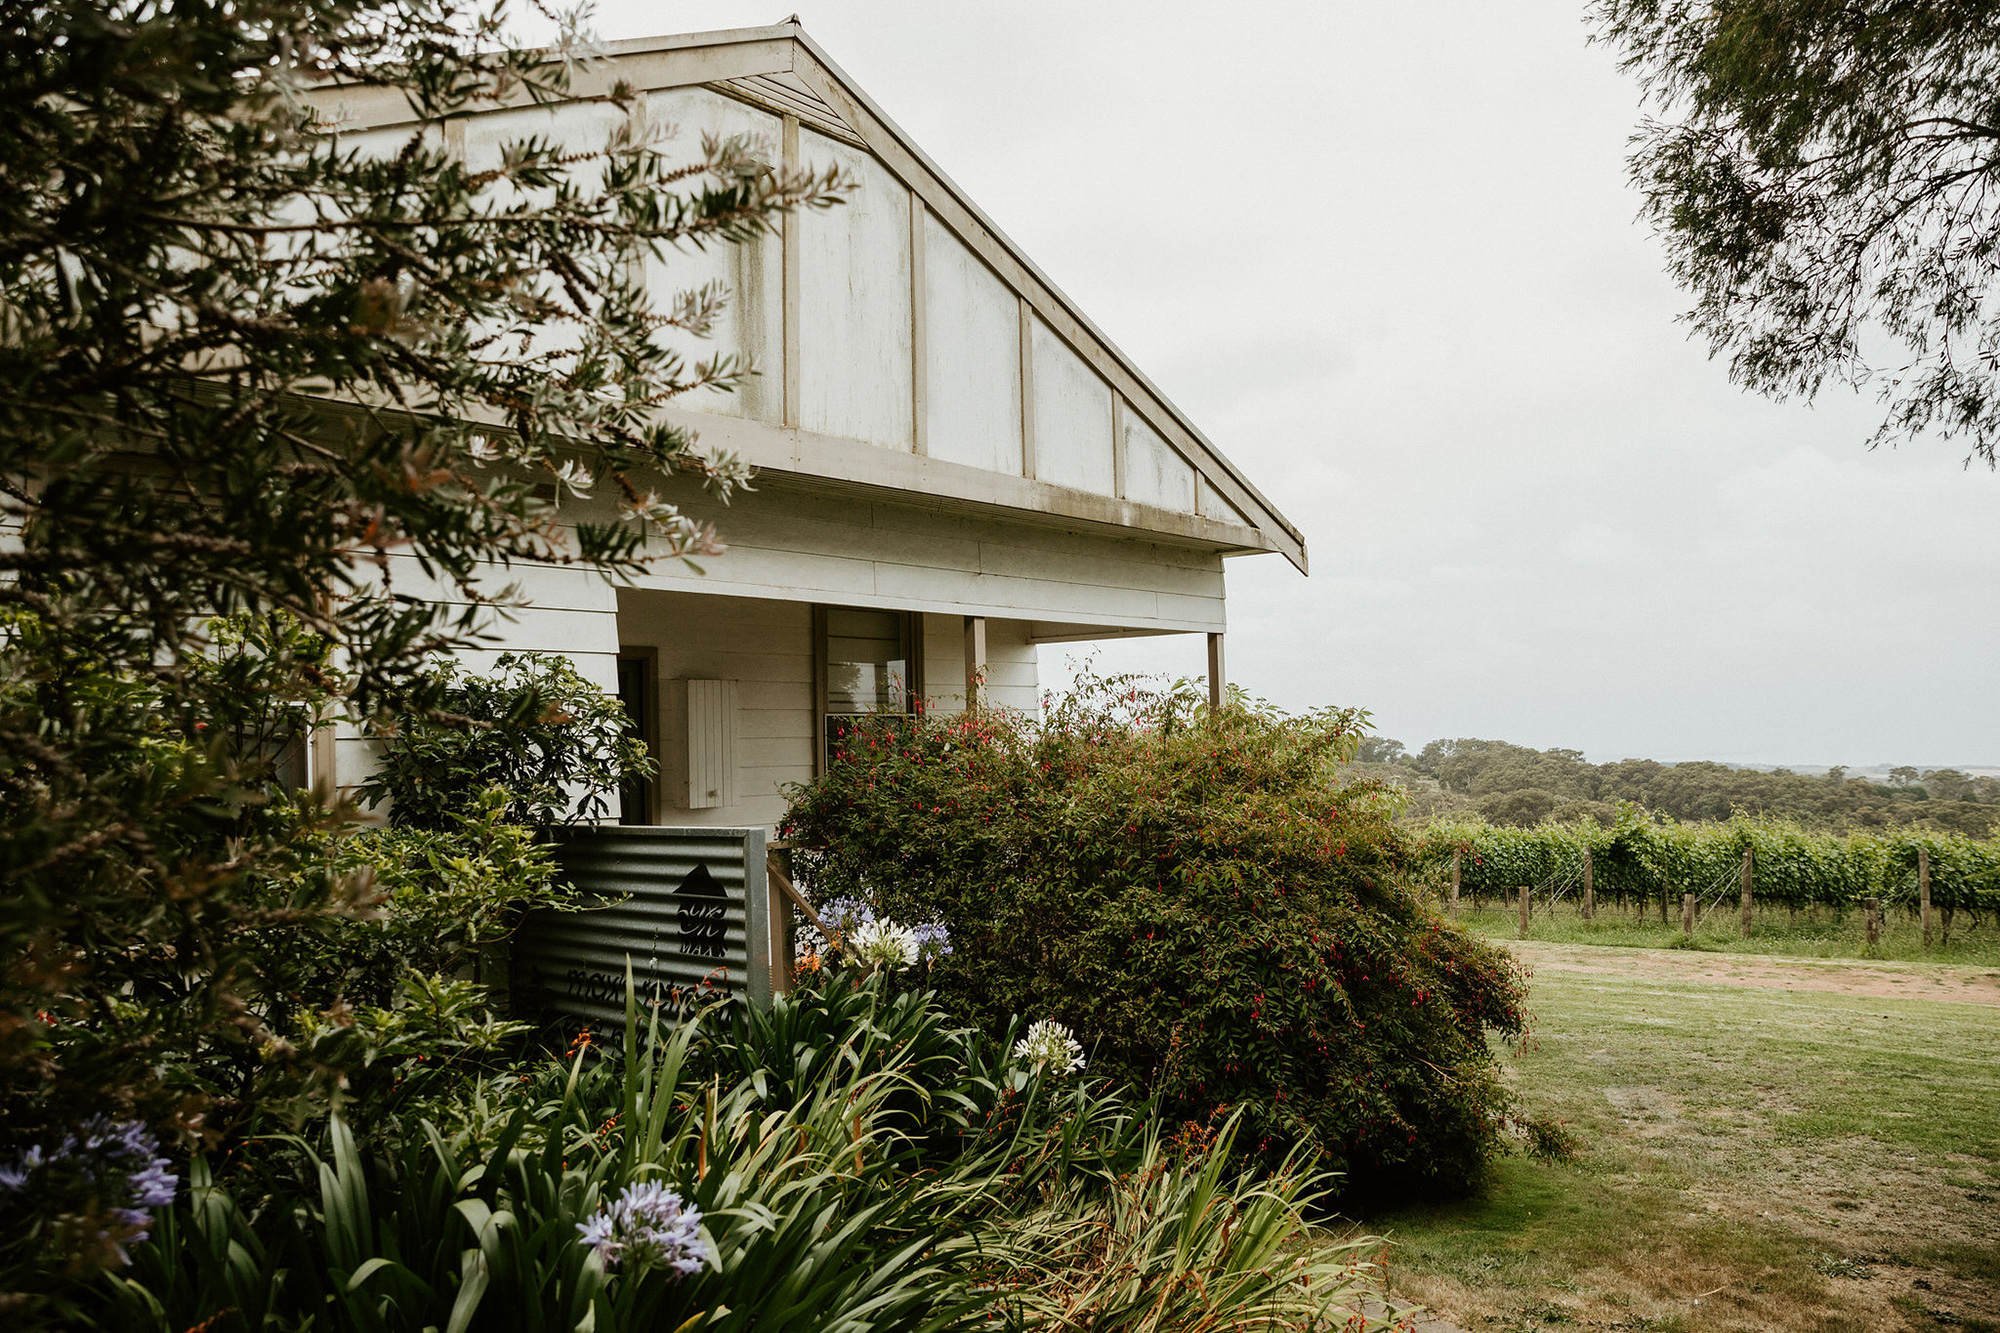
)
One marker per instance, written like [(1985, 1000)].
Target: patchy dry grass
[(1753, 1159)]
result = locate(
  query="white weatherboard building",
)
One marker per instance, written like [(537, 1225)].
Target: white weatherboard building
[(953, 465)]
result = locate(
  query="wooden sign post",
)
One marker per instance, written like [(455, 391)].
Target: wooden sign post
[(1687, 915)]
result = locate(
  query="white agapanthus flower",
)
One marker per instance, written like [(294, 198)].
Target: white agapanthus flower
[(884, 944), (1050, 1045)]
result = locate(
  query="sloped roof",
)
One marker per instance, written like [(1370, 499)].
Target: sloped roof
[(784, 71)]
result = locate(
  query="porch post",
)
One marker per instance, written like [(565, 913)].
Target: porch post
[(975, 659), (1216, 678)]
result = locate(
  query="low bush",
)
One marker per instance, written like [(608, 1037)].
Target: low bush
[(847, 1161), (1219, 914)]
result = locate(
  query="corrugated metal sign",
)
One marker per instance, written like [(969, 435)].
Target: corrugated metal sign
[(689, 907)]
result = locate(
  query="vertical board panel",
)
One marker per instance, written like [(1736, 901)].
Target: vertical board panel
[(855, 340), (1154, 473), (688, 909), (1072, 418), (711, 734), (973, 360), (1215, 505), (752, 324)]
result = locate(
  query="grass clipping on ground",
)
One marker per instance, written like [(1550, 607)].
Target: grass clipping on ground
[(1753, 1158)]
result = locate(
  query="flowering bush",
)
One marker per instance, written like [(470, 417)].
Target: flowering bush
[(1214, 901), (81, 1203), (1050, 1046), (875, 942)]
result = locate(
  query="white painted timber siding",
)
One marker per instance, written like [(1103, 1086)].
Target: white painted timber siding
[(1154, 473), (972, 338), (856, 333), (1013, 665), (766, 647), (798, 544), (1072, 418), (751, 325)]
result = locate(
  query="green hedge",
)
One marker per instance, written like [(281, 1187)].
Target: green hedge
[(1639, 858)]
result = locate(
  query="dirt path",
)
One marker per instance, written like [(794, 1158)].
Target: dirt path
[(1908, 981)]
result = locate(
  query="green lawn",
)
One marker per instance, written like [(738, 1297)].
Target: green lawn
[(1819, 933), (1752, 1159)]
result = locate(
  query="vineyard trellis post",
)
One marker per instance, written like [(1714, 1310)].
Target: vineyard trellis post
[(1924, 890), (1873, 908), (1749, 863), (1589, 890), (1526, 900), (1457, 859), (1687, 915)]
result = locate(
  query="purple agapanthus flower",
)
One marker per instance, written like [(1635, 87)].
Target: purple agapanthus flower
[(102, 1168), (647, 1226), (853, 917), (933, 940)]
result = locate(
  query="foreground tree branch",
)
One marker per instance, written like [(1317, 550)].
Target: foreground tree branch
[(1825, 227)]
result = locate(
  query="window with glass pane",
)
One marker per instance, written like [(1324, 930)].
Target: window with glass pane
[(867, 662), (869, 670)]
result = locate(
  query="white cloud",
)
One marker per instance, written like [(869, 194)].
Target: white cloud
[(1596, 544)]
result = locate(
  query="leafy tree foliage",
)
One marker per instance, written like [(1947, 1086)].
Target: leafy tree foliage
[(1823, 173), (245, 363), (1515, 785), (553, 743), (1218, 919)]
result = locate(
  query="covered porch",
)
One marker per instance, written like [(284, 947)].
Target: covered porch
[(739, 697)]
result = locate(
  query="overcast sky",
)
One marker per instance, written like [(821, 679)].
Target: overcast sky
[(1387, 258)]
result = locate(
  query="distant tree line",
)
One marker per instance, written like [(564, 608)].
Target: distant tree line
[(1512, 784)]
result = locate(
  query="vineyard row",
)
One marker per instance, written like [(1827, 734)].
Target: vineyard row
[(1779, 863)]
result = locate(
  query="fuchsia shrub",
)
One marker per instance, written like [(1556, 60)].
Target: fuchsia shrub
[(1221, 918)]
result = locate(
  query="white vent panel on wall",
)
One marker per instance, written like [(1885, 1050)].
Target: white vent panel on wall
[(711, 744)]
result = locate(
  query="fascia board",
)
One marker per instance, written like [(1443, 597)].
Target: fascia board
[(911, 478)]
